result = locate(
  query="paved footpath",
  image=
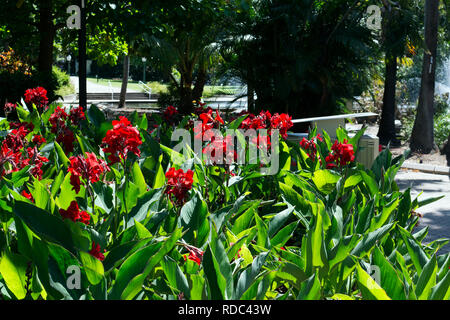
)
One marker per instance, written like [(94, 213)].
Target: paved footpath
[(436, 215), (93, 87)]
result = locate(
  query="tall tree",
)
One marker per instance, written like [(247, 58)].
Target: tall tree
[(422, 136), (185, 40), (399, 27), (303, 57), (32, 27)]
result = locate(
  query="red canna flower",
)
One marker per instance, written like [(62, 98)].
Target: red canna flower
[(38, 140), (66, 138), (58, 120), (95, 251), (179, 183), (195, 254), (7, 155), (201, 109), (89, 169), (27, 195), (170, 113), (341, 154), (73, 213), (84, 217), (222, 145), (37, 96), (281, 122), (310, 146), (35, 158), (76, 115), (261, 121), (121, 140)]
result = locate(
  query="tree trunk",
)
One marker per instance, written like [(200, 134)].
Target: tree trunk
[(123, 89), (386, 132), (186, 105), (422, 136), (250, 97), (446, 150), (47, 35), (200, 82)]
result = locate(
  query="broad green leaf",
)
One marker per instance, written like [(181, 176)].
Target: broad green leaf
[(310, 289), (144, 203), (427, 279), (250, 274), (389, 277), (370, 290), (45, 225), (138, 178), (13, 269), (325, 180), (160, 178), (284, 234), (278, 220), (132, 266), (442, 290), (93, 268), (175, 276), (262, 239), (415, 250), (133, 288), (370, 183), (61, 155), (216, 281)]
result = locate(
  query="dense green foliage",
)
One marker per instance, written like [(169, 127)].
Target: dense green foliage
[(307, 232)]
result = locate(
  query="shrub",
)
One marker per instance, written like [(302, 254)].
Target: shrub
[(64, 86)]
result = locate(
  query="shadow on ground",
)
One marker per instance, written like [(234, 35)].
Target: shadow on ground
[(436, 215)]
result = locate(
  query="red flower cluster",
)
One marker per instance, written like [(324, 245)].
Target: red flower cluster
[(12, 151), (179, 183), (89, 169), (76, 115), (120, 140), (58, 119), (310, 146), (223, 144), (95, 252), (209, 121), (10, 156), (16, 139), (64, 135), (170, 113), (281, 122), (265, 120), (73, 213), (261, 121), (37, 96), (35, 158), (341, 155), (38, 140)]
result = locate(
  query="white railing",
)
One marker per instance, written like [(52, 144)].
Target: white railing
[(111, 89), (146, 88)]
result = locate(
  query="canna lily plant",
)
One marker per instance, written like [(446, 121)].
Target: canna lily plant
[(106, 204)]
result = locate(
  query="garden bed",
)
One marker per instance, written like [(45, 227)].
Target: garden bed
[(98, 209)]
